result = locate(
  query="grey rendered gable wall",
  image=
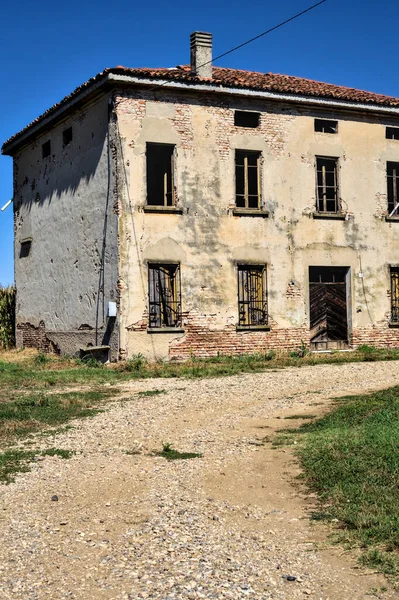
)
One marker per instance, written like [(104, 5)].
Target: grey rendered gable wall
[(71, 271)]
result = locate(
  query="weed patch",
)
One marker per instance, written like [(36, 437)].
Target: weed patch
[(18, 461), (171, 454), (149, 393)]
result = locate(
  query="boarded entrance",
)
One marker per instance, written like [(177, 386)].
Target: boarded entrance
[(328, 308)]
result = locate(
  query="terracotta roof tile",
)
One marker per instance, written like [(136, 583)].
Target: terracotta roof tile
[(231, 78)]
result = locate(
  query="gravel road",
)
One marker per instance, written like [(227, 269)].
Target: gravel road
[(232, 524)]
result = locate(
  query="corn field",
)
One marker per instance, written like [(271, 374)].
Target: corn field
[(7, 316)]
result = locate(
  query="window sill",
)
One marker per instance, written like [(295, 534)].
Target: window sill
[(163, 210), (326, 215), (250, 212), (165, 330), (392, 219), (393, 324), (253, 328)]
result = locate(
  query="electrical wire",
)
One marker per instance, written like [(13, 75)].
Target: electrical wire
[(252, 39)]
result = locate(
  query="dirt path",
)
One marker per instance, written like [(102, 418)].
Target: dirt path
[(232, 524)]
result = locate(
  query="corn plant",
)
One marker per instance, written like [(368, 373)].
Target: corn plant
[(7, 316)]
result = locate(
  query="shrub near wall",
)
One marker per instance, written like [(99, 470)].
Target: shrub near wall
[(7, 316)]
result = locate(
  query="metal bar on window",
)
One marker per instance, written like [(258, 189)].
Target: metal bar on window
[(395, 295)]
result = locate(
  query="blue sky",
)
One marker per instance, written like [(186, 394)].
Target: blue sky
[(50, 48)]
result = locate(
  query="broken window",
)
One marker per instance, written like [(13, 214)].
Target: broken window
[(393, 185), (325, 126), (392, 133), (252, 295), (247, 179), (243, 118), (160, 189), (395, 294), (67, 137), (164, 295), (46, 149), (327, 184)]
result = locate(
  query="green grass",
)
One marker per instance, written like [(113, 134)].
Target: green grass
[(149, 393), (18, 461), (350, 458), (171, 454), (35, 411)]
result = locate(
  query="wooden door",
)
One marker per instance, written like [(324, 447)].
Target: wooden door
[(328, 307)]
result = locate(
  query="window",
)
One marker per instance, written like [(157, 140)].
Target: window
[(325, 126), (252, 296), (247, 179), (395, 295), (243, 118), (160, 188), (392, 133), (46, 149), (393, 185), (327, 184), (67, 137), (164, 295)]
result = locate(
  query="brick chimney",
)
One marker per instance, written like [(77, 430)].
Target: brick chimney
[(201, 54)]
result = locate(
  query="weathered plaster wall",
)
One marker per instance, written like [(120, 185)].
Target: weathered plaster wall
[(64, 203), (209, 241)]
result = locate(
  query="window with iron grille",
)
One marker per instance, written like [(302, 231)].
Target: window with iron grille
[(327, 184), (395, 295), (160, 186), (393, 188), (247, 179), (252, 295), (164, 295)]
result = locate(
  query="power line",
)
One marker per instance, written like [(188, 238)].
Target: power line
[(266, 32), (253, 39)]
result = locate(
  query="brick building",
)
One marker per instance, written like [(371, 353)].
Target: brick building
[(197, 210)]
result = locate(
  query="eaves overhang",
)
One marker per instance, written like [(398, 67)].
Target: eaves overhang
[(112, 78)]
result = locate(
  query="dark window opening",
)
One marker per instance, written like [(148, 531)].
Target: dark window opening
[(327, 274), (67, 136), (247, 179), (160, 187), (325, 126), (164, 295), (243, 118), (25, 248), (327, 184), (393, 186), (46, 149), (252, 296), (395, 294), (392, 133)]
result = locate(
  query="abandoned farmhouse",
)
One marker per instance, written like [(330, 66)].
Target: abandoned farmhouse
[(202, 210)]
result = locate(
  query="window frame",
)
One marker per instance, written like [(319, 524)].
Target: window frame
[(321, 201), (245, 195), (321, 125), (394, 281), (161, 307), (166, 184), (248, 119), (253, 312), (391, 133), (393, 198)]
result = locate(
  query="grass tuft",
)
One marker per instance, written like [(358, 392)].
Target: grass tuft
[(351, 459), (171, 454)]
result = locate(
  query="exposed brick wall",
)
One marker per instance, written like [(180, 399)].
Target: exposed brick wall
[(203, 339), (29, 336), (378, 334)]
